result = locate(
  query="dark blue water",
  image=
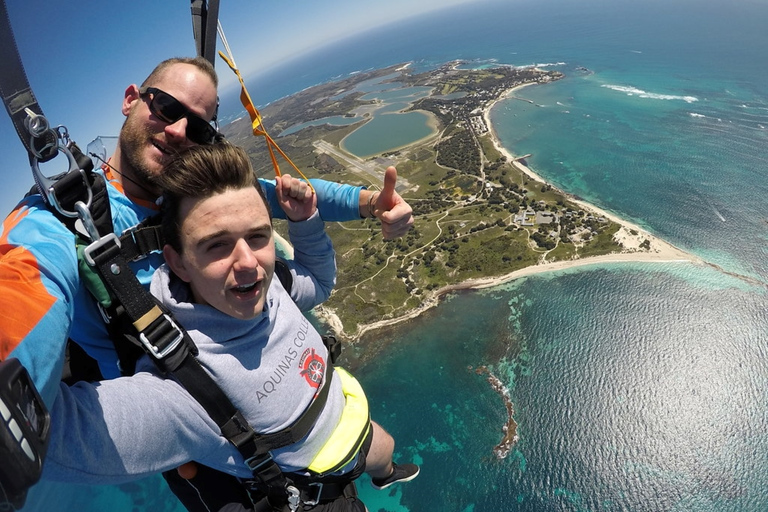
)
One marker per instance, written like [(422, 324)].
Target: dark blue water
[(636, 387)]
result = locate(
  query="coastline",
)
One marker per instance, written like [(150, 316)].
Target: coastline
[(629, 235), (660, 250)]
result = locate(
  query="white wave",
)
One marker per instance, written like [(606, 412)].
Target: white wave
[(694, 114), (540, 65), (719, 215), (634, 91), (635, 51)]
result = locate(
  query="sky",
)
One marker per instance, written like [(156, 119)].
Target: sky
[(81, 55)]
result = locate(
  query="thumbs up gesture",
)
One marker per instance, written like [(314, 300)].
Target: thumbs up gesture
[(395, 214)]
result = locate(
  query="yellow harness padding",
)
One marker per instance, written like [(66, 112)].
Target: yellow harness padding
[(349, 434)]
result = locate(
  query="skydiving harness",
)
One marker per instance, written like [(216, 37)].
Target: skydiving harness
[(139, 324)]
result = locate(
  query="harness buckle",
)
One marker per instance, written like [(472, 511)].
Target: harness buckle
[(38, 127), (98, 244), (316, 500), (254, 464), (161, 352), (294, 498), (86, 219), (46, 185)]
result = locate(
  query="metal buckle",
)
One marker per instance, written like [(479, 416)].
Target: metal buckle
[(161, 354), (45, 184), (249, 461), (98, 244), (294, 498), (315, 501), (132, 233)]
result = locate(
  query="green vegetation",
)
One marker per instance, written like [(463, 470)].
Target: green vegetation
[(477, 214)]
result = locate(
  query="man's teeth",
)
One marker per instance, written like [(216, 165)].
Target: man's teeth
[(162, 150), (245, 288)]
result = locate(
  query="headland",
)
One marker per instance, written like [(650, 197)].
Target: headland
[(483, 216)]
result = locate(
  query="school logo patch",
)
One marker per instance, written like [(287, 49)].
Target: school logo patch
[(312, 367)]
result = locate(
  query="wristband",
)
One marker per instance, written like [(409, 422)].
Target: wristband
[(371, 200)]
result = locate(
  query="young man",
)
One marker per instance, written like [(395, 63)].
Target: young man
[(44, 300), (252, 338)]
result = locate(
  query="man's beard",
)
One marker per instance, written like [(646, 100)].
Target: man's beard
[(133, 142)]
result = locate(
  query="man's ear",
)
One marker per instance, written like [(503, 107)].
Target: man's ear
[(175, 262), (130, 97)]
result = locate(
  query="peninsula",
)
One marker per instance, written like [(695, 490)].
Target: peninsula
[(483, 216)]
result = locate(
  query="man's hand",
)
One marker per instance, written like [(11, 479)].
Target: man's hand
[(395, 214), (296, 198)]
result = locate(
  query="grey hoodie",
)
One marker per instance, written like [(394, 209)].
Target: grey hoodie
[(127, 428)]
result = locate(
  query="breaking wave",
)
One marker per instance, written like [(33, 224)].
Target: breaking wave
[(634, 91)]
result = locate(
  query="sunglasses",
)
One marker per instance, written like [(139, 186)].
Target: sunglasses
[(170, 110)]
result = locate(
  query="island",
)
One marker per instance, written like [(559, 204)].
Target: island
[(483, 217)]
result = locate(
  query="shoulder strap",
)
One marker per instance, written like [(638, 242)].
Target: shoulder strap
[(283, 273)]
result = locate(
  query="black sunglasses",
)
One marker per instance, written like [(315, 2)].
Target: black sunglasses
[(170, 110)]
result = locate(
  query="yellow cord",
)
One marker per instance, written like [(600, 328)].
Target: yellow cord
[(256, 124)]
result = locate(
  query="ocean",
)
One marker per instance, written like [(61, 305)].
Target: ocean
[(636, 387)]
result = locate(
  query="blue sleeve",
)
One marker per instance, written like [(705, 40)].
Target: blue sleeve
[(336, 202), (39, 280)]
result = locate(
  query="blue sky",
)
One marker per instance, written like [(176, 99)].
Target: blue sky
[(80, 56)]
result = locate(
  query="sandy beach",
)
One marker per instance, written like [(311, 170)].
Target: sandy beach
[(629, 235), (660, 250)]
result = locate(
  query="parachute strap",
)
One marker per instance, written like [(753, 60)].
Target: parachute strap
[(19, 100), (256, 121)]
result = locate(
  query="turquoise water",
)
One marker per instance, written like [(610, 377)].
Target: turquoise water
[(389, 127), (636, 387)]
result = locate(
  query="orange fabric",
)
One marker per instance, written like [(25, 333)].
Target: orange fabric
[(25, 300), (112, 178)]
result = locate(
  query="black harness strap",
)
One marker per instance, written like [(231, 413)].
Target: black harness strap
[(17, 94), (143, 239)]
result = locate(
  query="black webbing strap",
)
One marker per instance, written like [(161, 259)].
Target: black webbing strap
[(17, 94), (145, 238), (205, 16)]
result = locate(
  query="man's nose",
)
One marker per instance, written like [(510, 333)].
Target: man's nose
[(177, 132), (244, 257)]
